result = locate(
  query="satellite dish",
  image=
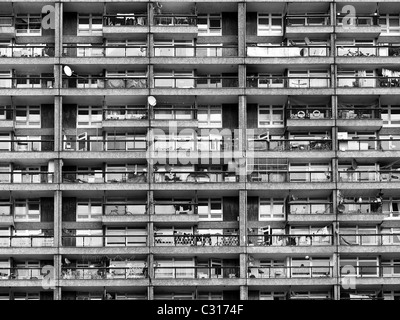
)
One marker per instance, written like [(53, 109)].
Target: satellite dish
[(341, 207), (152, 101), (68, 71)]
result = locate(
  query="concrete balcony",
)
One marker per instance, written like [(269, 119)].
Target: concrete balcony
[(6, 220), (187, 219), (7, 32), (105, 155), (309, 124), (171, 30), (181, 250), (6, 125), (279, 282), (307, 219), (115, 32), (360, 31), (298, 32), (284, 251), (110, 125), (104, 283), (360, 124), (224, 282), (124, 220)]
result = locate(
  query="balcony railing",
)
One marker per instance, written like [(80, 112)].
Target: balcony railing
[(26, 145), (31, 82), (300, 208), (360, 20), (274, 272), (365, 207), (26, 51), (110, 144), (255, 50), (26, 177), (26, 241), (175, 113), (287, 82), (208, 50), (291, 240), (175, 208), (104, 240), (364, 239), (175, 20), (129, 113), (369, 144), (368, 51), (200, 240), (196, 272), (21, 273), (293, 176), (195, 176), (359, 113), (196, 82), (366, 271), (369, 176), (312, 113), (309, 20), (124, 209), (97, 50), (118, 20), (105, 82), (6, 21), (102, 273), (104, 177), (206, 144), (368, 82), (7, 113), (290, 144)]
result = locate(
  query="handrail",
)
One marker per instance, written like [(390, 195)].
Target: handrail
[(287, 82), (359, 20), (103, 240), (273, 272), (369, 238), (99, 82), (26, 177), (198, 82), (110, 144), (197, 272), (175, 20), (208, 50), (367, 50), (195, 176), (128, 19), (308, 208), (104, 50), (24, 51), (377, 82), (98, 273), (291, 239), (197, 240), (12, 82), (21, 273), (367, 270), (279, 176), (257, 50), (290, 144), (370, 176), (26, 241), (101, 177)]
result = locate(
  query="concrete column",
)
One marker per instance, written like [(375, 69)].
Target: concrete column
[(151, 45), (58, 23), (58, 136), (244, 293), (243, 217), (57, 218), (150, 293), (150, 14), (242, 75), (241, 149), (150, 76), (150, 288), (242, 29), (57, 276)]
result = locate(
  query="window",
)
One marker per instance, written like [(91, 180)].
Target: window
[(270, 116), (391, 206), (310, 206), (27, 143), (125, 237), (89, 210), (86, 50), (318, 235), (5, 144), (210, 296), (269, 80), (175, 268), (390, 268), (89, 238), (125, 206), (89, 296), (90, 174), (308, 79), (391, 115), (174, 79), (390, 23), (210, 209), (170, 112), (272, 295), (26, 296), (209, 116), (28, 81), (126, 48), (271, 209), (313, 267), (89, 116), (209, 50), (126, 142), (27, 116), (174, 48), (28, 24), (314, 172), (28, 270), (358, 236), (391, 236), (90, 24), (269, 24), (4, 82), (210, 81), (360, 267), (5, 173), (130, 296), (209, 24), (27, 210)]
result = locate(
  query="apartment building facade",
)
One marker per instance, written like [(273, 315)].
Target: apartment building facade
[(199, 150)]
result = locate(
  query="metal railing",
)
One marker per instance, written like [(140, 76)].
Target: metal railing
[(104, 240), (274, 272), (369, 144), (291, 240), (26, 273), (361, 239), (314, 20), (175, 20), (175, 208), (129, 113), (103, 273), (26, 241), (109, 144), (290, 144), (255, 50), (99, 50), (300, 208), (175, 113), (292, 176), (8, 113), (360, 20), (196, 272), (287, 82), (359, 113), (26, 51), (365, 271), (7, 21), (209, 50), (196, 240), (368, 82), (129, 19), (367, 51), (27, 177), (124, 209), (97, 82), (195, 176), (200, 144), (310, 112), (369, 176), (365, 207), (31, 82), (20, 145), (104, 177), (196, 82)]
